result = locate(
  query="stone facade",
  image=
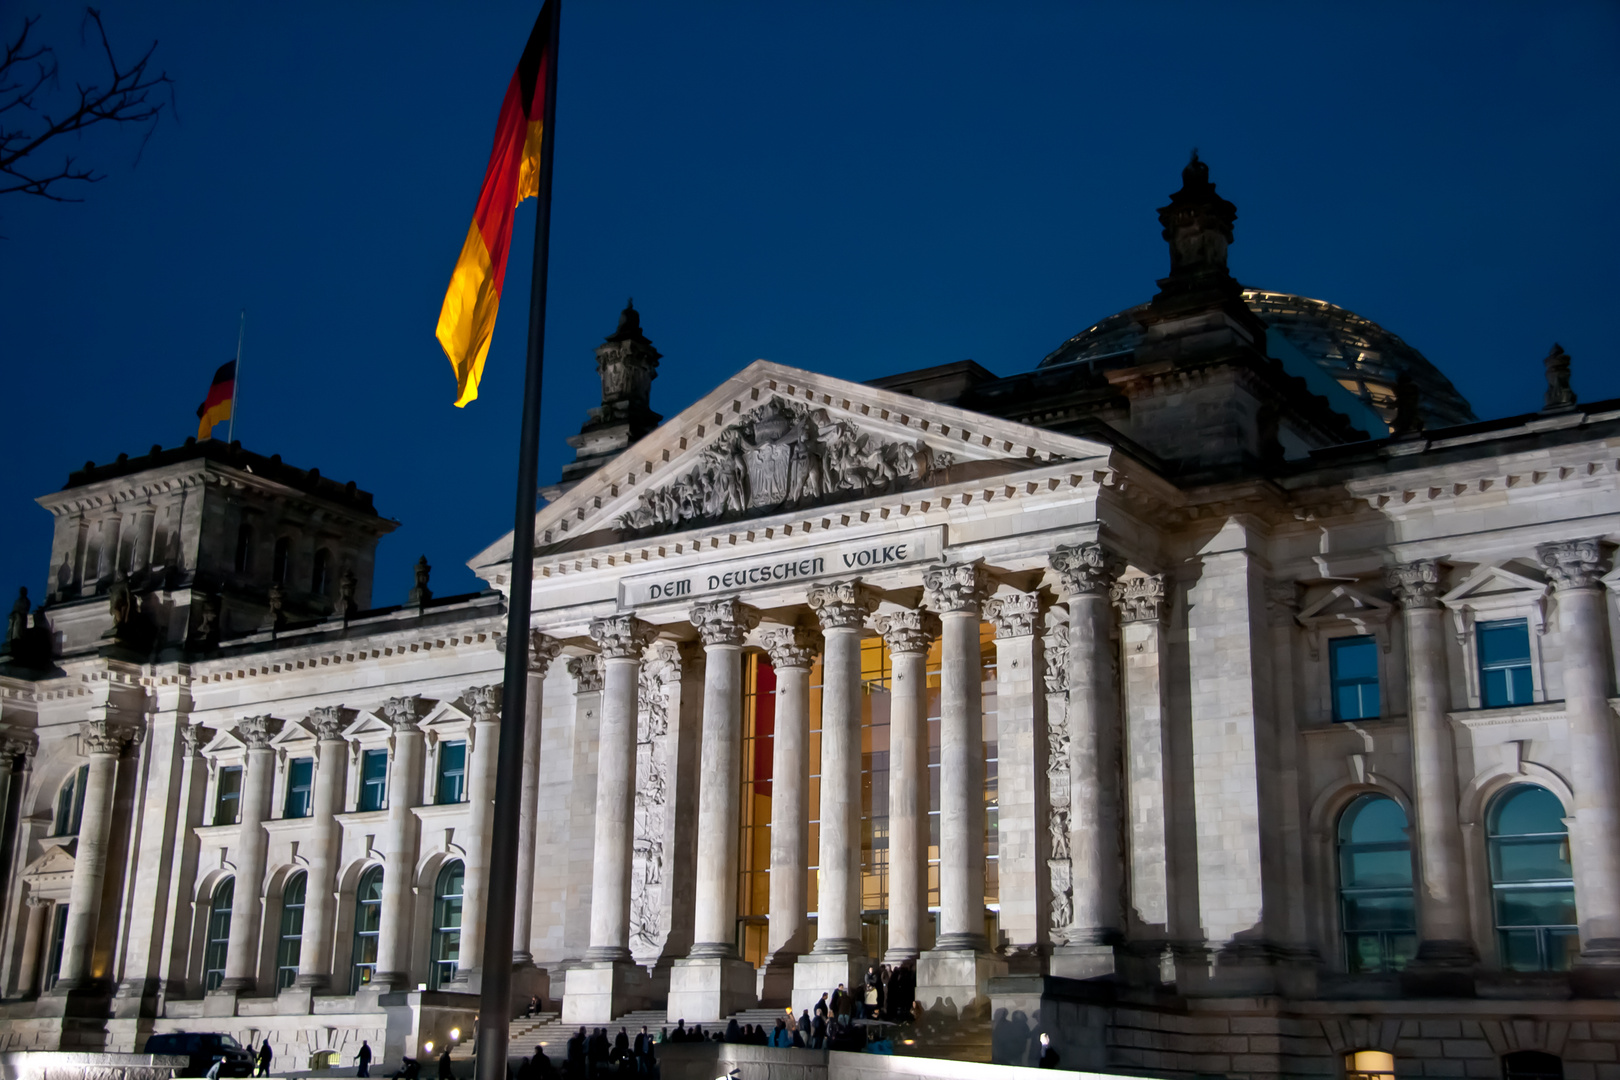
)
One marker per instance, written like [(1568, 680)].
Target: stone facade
[(1234, 623)]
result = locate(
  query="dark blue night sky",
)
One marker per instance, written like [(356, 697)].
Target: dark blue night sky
[(858, 189)]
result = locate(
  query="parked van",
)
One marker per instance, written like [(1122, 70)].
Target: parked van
[(203, 1049)]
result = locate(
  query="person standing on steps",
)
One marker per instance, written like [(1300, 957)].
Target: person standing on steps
[(363, 1059)]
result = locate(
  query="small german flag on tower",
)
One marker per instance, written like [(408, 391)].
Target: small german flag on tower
[(216, 407), (467, 320)]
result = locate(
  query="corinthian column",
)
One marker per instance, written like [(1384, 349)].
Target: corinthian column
[(484, 702), (1576, 569), (1444, 940), (713, 982), (542, 651), (838, 955), (1020, 773), (403, 715), (792, 650), (320, 898), (609, 984), (105, 740), (252, 845), (1093, 727), (907, 635)]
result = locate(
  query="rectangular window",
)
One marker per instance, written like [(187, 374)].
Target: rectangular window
[(228, 796), (452, 786), (53, 962), (1354, 665), (1504, 663), (373, 780), (300, 787)]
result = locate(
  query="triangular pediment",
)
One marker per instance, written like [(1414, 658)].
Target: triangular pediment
[(1492, 580), (224, 741), (1495, 591), (1345, 606), (56, 860), (293, 733), (776, 441), (444, 714), (366, 723)]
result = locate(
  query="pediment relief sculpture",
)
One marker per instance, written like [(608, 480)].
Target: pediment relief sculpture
[(782, 455)]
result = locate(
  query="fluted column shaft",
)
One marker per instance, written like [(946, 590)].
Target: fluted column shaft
[(622, 639), (399, 852), (842, 608), (106, 742), (542, 651), (1576, 568), (252, 844), (1443, 911), (320, 897), (956, 592), (484, 702), (721, 625), (908, 635)]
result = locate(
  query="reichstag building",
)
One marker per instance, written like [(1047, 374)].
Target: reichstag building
[(1219, 696)]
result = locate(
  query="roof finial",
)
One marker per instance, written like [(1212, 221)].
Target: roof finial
[(1559, 394)]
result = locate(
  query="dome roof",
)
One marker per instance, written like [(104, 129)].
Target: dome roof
[(1357, 353)]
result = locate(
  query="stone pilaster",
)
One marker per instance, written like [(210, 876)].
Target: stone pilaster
[(191, 793), (529, 981), (908, 635), (33, 950), (586, 672), (484, 703), (401, 842), (1058, 908), (1140, 603), (1021, 773)]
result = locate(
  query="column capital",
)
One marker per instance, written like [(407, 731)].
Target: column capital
[(1574, 564), (404, 713), (587, 673), (1013, 614), (257, 731), (1416, 584), (484, 702), (18, 746), (1081, 568), (792, 646), (1282, 602), (842, 605), (196, 736), (723, 622), (907, 631), (962, 587), (1139, 599), (330, 720), (542, 651), (622, 637)]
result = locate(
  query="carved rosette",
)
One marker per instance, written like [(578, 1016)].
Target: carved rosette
[(257, 731), (404, 713), (484, 703), (1416, 584), (907, 631), (329, 722), (1575, 564), (842, 605), (962, 587), (622, 637), (587, 673), (1139, 599), (542, 651), (1013, 614), (792, 646), (1082, 568), (724, 622)]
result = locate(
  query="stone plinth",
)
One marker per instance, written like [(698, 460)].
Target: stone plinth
[(600, 992), (706, 989), (1083, 961), (820, 973), (958, 976)]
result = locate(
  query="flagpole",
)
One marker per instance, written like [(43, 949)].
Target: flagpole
[(236, 384), (495, 1005)]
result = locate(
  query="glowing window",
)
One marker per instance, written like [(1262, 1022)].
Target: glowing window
[(1369, 1065)]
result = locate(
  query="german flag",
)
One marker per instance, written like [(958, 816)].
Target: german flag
[(467, 320), (216, 407)]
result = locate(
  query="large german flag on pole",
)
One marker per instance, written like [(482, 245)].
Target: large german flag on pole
[(467, 320)]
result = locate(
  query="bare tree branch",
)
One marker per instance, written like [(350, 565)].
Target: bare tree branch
[(130, 96)]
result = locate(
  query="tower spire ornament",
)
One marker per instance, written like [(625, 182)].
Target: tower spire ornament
[(1559, 395), (627, 363)]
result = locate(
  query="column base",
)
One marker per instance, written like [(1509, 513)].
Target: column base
[(705, 989), (817, 973), (957, 978), (295, 1000), (1084, 961), (599, 992), (469, 982), (318, 983), (775, 985), (528, 982), (899, 954)]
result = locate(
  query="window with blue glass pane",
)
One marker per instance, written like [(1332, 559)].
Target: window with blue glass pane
[(1377, 911), (1354, 666), (300, 787), (1532, 884), (373, 779), (452, 772), (1504, 663)]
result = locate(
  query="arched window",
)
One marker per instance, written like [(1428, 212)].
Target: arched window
[(218, 943), (320, 574), (1532, 893), (244, 548), (367, 927), (1532, 1065), (70, 803), (446, 925), (1376, 910), (292, 930), (278, 560)]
